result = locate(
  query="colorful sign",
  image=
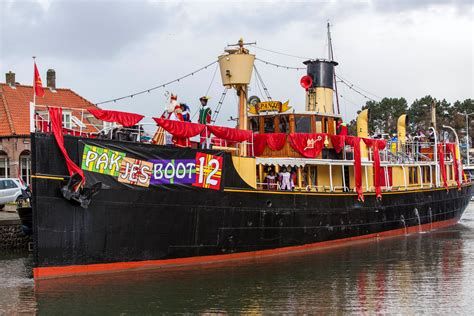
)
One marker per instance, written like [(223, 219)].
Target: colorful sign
[(208, 171), (101, 160), (174, 171), (136, 172), (205, 171), (269, 106)]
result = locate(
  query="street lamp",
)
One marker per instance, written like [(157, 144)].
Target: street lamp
[(467, 137)]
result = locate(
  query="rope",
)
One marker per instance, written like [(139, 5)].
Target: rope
[(351, 86), (280, 53), (280, 66), (263, 84), (219, 105), (159, 86)]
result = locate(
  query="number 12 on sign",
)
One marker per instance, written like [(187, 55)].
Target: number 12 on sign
[(208, 171)]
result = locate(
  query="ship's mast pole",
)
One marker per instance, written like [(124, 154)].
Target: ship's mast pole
[(331, 58)]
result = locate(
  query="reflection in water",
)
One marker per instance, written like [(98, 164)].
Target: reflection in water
[(419, 273)]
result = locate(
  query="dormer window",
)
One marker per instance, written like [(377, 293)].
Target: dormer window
[(67, 121)]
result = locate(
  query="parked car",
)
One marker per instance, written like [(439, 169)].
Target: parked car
[(11, 190)]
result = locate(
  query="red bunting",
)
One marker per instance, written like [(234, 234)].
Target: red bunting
[(442, 166), (232, 134), (376, 145), (180, 129), (355, 143), (276, 141), (308, 145), (259, 143), (56, 117), (123, 118), (337, 142)]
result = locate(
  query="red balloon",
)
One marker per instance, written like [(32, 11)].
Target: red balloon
[(306, 82)]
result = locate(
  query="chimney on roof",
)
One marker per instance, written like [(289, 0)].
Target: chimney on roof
[(10, 78), (51, 79)]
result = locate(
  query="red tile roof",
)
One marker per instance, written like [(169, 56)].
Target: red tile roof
[(14, 107)]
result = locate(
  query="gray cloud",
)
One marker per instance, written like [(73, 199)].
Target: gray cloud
[(407, 5), (84, 29)]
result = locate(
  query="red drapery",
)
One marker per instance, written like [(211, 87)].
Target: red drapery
[(276, 141), (442, 166), (376, 145), (231, 134), (355, 143), (337, 142), (259, 143), (56, 117), (180, 129), (308, 145), (123, 118), (451, 148)]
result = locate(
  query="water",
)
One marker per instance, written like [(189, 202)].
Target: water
[(414, 274)]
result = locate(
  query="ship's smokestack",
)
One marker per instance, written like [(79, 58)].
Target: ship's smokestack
[(319, 94)]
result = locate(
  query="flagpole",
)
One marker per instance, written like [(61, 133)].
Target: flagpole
[(34, 92)]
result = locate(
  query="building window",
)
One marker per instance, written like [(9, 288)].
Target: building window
[(4, 165), (25, 167), (67, 121)]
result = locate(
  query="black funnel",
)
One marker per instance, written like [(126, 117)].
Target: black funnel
[(322, 72)]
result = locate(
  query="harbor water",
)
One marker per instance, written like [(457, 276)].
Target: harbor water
[(424, 273)]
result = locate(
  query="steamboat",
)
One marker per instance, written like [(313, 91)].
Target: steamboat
[(282, 182)]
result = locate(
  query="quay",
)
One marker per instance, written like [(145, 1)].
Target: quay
[(12, 237)]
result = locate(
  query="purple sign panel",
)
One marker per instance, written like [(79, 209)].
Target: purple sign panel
[(173, 171)]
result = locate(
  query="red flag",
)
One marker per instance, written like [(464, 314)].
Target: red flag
[(38, 85)]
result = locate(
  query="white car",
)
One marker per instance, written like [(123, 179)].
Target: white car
[(10, 191)]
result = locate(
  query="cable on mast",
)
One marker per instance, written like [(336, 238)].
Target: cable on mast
[(263, 84)]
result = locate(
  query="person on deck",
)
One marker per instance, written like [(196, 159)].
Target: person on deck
[(270, 180), (341, 127), (285, 179), (204, 118), (177, 115), (185, 112)]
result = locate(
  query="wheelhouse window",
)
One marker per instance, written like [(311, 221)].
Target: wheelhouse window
[(284, 124), (25, 167), (269, 124), (303, 124), (254, 124), (3, 165)]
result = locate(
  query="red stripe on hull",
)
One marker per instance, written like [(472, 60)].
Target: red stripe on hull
[(98, 268)]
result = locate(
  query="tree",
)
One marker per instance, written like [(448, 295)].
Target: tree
[(383, 115)]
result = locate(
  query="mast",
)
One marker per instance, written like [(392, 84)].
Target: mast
[(236, 68), (331, 58)]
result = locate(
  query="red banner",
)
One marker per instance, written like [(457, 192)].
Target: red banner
[(355, 143), (376, 145), (123, 118), (56, 117), (442, 166), (451, 148), (308, 145)]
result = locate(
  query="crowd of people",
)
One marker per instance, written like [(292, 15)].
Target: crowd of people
[(285, 180)]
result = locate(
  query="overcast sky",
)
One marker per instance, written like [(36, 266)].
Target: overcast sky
[(107, 49)]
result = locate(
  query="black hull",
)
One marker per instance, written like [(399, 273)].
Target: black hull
[(124, 224)]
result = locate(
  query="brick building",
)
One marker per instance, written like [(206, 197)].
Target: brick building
[(15, 101)]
